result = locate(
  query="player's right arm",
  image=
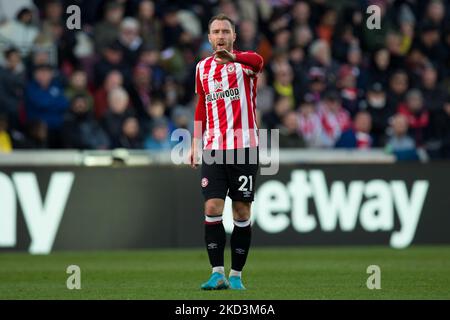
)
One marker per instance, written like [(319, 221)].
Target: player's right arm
[(199, 122)]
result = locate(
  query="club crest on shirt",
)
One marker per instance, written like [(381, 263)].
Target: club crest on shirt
[(204, 182), (231, 68)]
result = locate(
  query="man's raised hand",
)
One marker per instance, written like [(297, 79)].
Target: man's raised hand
[(223, 56)]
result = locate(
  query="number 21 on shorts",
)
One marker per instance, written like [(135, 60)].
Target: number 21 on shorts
[(245, 180)]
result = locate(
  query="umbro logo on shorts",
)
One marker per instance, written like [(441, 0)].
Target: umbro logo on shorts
[(247, 194), (204, 182), (212, 245)]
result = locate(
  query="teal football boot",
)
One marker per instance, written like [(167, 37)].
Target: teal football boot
[(217, 281), (236, 283)]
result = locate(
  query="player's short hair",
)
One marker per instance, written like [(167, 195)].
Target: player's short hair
[(222, 17)]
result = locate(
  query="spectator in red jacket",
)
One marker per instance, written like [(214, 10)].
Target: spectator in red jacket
[(418, 116)]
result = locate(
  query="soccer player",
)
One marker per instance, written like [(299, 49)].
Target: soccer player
[(225, 122)]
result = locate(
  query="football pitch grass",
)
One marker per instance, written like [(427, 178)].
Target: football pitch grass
[(420, 272)]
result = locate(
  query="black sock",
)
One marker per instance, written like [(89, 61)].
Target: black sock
[(240, 244), (215, 240)]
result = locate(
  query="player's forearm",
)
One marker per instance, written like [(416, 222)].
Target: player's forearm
[(200, 118), (251, 59)]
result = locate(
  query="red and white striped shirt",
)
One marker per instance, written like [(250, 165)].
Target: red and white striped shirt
[(227, 102)]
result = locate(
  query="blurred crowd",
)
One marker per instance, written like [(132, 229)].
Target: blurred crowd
[(126, 78)]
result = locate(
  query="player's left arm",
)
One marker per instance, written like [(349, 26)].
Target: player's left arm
[(248, 58)]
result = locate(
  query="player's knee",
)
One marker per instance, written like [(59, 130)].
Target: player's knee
[(241, 210), (214, 207)]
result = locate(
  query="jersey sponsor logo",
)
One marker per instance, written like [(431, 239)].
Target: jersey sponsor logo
[(218, 85), (204, 182), (233, 94)]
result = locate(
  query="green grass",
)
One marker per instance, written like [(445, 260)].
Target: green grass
[(275, 273)]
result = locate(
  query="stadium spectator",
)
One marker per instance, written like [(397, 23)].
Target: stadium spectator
[(350, 94), (248, 36), (377, 105), (171, 29), (150, 26), (78, 86), (114, 79), (327, 24), (55, 37), (172, 95), (316, 86), (398, 86), (159, 138), (301, 14), (273, 118), (34, 135), (394, 46), (430, 43), (45, 101), (380, 69), (12, 83), (358, 136), (130, 137), (400, 143), (290, 135), (130, 40), (81, 130), (302, 37), (150, 58), (182, 118), (435, 14), (265, 93), (415, 63), (418, 116), (356, 62), (11, 8), (112, 59), (342, 41), (118, 111), (20, 32), (407, 22), (141, 88), (282, 41), (107, 30), (433, 92), (333, 118), (310, 125), (320, 57), (282, 84)]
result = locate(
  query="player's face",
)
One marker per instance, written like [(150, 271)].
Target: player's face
[(221, 35)]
